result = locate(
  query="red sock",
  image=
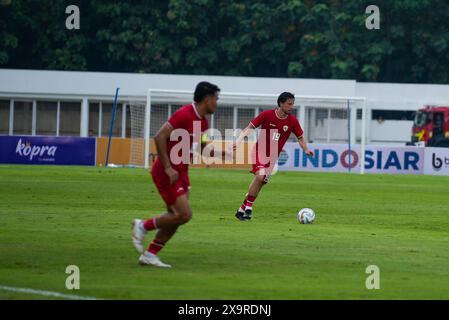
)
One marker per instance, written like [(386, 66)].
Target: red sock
[(155, 247), (150, 224), (243, 206), (249, 202)]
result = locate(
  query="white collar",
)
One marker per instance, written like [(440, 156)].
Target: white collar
[(196, 111), (278, 116)]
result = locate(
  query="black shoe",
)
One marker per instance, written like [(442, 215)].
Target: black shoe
[(239, 215), (248, 214)]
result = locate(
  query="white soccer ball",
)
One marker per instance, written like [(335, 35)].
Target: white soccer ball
[(306, 216)]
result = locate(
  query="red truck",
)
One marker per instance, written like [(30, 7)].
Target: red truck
[(431, 127)]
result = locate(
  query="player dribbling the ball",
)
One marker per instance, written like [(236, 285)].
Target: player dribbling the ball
[(277, 125)]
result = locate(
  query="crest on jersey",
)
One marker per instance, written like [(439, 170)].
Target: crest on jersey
[(285, 128)]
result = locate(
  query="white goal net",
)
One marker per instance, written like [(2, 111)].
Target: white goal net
[(138, 135)]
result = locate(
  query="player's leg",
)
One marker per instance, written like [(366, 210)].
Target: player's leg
[(167, 224), (165, 234), (166, 220), (178, 206), (259, 180), (149, 257), (140, 229), (256, 185), (170, 194), (179, 214)]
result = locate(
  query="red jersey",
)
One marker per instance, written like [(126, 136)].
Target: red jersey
[(188, 127), (276, 130), (188, 119)]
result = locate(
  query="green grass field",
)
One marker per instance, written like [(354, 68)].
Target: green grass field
[(52, 217)]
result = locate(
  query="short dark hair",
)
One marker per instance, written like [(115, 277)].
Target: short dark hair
[(204, 89), (284, 96)]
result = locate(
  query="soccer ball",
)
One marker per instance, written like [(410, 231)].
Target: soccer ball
[(306, 216)]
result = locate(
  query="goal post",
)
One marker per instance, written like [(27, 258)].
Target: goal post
[(147, 130), (138, 115), (325, 119)]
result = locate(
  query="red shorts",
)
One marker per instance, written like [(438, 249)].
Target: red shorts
[(259, 165), (170, 192)]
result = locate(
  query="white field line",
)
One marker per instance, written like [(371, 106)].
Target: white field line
[(46, 293)]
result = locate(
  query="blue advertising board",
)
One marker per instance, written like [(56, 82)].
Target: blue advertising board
[(47, 150), (337, 158)]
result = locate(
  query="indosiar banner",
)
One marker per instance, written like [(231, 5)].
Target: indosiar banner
[(47, 150), (339, 158)]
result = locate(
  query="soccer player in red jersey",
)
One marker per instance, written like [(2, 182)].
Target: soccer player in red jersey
[(276, 125), (170, 171)]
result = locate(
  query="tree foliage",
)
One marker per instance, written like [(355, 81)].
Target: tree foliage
[(290, 38)]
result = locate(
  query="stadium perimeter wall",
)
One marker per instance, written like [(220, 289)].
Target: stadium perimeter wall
[(328, 157)]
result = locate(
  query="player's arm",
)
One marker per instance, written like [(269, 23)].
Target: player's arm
[(299, 133), (211, 150), (302, 142), (160, 140), (246, 132), (255, 123), (217, 153)]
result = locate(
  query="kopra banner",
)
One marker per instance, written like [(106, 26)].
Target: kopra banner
[(47, 150)]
